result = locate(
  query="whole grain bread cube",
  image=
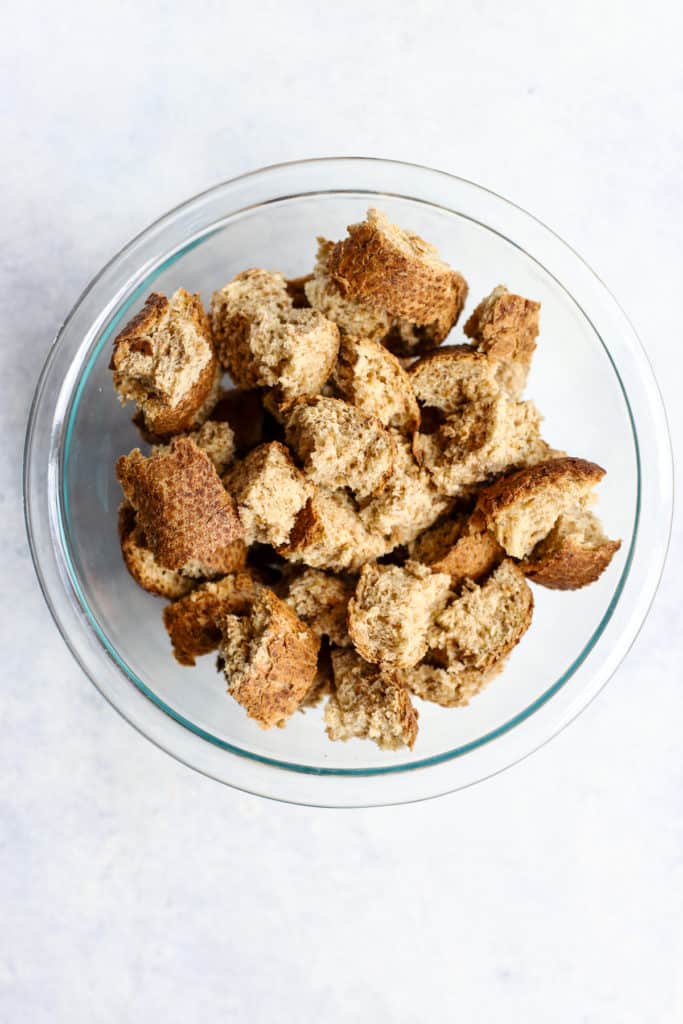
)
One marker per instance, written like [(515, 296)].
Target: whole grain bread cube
[(214, 438), (453, 376), (393, 610), (397, 271), (141, 563), (354, 318), (330, 534), (575, 553), (369, 704), (373, 380), (451, 687), (242, 410), (320, 599), (270, 659), (164, 361), (485, 621), (263, 341), (522, 508), (505, 326), (192, 622), (408, 504), (189, 521), (270, 492), (459, 549), (237, 307), (481, 441), (341, 447)]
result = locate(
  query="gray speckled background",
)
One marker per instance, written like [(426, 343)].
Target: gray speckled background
[(133, 889)]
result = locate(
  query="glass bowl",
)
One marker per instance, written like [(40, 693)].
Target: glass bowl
[(590, 378)]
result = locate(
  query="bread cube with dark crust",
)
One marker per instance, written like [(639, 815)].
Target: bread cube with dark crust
[(367, 703), (269, 657), (575, 553), (189, 521), (141, 563), (192, 622), (388, 268), (520, 509), (164, 361)]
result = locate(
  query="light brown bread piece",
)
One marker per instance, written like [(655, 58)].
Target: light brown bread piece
[(453, 376), (522, 508), (263, 341), (459, 549), (394, 270), (575, 553), (238, 306), (330, 534), (164, 361), (141, 563), (408, 504), (270, 492), (214, 438), (392, 611), (481, 441), (369, 704), (189, 521), (270, 659), (192, 622), (450, 687), (339, 446), (320, 599), (242, 410), (354, 318), (373, 380), (505, 326), (485, 621)]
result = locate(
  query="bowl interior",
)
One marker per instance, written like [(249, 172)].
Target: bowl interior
[(573, 381)]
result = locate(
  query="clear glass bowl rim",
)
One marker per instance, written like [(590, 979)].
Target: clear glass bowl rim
[(69, 589)]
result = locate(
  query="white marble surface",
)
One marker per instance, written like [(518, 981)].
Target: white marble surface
[(132, 889)]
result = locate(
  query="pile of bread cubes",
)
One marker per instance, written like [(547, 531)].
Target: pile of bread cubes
[(357, 519)]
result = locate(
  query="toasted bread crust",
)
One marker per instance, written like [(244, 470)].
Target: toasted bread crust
[(396, 271), (192, 623), (182, 507), (505, 326), (270, 659), (141, 563), (575, 553), (459, 550), (572, 567)]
